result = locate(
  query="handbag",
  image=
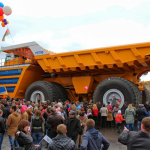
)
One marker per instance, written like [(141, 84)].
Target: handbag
[(81, 130)]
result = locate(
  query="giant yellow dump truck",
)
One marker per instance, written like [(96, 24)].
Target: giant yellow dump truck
[(109, 74)]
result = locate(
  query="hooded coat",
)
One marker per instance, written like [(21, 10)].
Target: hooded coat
[(13, 121), (93, 140), (129, 115), (61, 142), (24, 114)]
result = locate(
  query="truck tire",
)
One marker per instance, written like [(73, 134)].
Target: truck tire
[(117, 86), (145, 95), (138, 96), (46, 89), (62, 91)]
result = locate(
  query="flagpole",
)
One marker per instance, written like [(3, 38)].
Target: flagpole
[(10, 34)]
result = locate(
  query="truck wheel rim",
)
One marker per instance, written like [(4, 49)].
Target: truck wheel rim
[(34, 96), (118, 96)]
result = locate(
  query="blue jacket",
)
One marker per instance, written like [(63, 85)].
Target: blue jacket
[(93, 139)]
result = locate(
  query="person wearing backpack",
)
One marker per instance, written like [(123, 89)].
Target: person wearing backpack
[(93, 139)]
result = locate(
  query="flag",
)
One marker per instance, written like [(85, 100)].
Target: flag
[(0, 50), (6, 33)]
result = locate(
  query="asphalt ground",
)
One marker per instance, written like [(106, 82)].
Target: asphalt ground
[(110, 133)]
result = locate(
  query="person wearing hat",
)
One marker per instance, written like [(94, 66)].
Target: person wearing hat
[(73, 126), (118, 120)]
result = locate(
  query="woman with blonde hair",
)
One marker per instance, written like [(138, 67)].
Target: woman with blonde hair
[(129, 117), (95, 113)]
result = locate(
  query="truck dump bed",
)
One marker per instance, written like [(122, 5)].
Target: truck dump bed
[(128, 57), (111, 59)]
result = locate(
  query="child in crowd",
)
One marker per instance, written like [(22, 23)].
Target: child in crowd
[(89, 114), (119, 120)]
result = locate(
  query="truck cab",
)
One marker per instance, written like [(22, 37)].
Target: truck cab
[(12, 59)]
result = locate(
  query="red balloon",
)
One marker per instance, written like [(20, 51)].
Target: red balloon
[(119, 100), (1, 11)]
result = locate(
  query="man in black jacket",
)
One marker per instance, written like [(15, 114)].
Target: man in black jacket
[(73, 126), (53, 121), (137, 140), (140, 113), (2, 128)]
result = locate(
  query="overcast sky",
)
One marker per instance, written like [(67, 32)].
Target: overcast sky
[(68, 25)]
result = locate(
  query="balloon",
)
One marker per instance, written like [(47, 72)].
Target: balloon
[(86, 88), (119, 100), (7, 22), (1, 11), (1, 4), (1, 18), (7, 10), (3, 25)]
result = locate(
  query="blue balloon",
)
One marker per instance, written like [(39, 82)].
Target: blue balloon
[(1, 4)]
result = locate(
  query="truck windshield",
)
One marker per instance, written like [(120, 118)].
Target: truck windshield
[(8, 58)]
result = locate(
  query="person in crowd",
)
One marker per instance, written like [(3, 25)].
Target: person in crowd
[(61, 141), (115, 111), (85, 105), (73, 126), (137, 140), (18, 109), (93, 139), (24, 114), (70, 106), (36, 106), (95, 113), (140, 113), (118, 120), (82, 117), (89, 114), (2, 128), (53, 121), (147, 106), (46, 114), (104, 112), (37, 128), (13, 120), (99, 106), (109, 116), (28, 104), (23, 136), (33, 105), (129, 117), (44, 108), (6, 112), (124, 107), (64, 115), (78, 105), (30, 112)]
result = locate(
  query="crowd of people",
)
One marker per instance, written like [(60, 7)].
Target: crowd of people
[(70, 125)]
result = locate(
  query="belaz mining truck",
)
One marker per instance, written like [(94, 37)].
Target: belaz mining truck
[(109, 74)]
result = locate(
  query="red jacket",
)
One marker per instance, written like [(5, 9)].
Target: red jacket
[(95, 112), (119, 118)]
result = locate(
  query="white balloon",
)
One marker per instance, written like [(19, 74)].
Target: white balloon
[(7, 10)]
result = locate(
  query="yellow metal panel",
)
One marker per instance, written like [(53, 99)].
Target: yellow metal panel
[(81, 82)]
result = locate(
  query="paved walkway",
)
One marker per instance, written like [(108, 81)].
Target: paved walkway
[(110, 133)]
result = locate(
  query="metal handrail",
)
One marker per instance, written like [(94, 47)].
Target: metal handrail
[(15, 62)]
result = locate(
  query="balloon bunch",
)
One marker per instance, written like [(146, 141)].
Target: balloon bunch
[(4, 10)]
